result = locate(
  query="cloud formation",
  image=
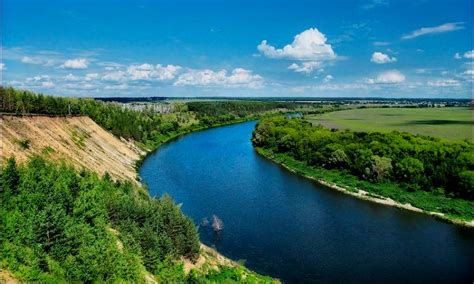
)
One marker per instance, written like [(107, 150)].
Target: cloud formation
[(47, 85), (150, 72), (444, 83), (448, 27), (309, 45), (31, 60), (382, 58), (328, 78), (115, 76), (305, 67), (78, 63), (239, 77), (388, 77), (2, 67), (469, 54), (468, 74)]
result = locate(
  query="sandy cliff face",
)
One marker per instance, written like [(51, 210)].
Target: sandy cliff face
[(78, 141)]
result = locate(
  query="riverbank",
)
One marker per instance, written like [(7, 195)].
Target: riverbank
[(210, 260), (81, 143), (301, 169), (150, 149)]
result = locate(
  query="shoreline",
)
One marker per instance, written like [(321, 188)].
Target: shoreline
[(142, 158), (364, 195), (206, 252)]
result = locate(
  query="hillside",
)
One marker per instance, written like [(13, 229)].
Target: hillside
[(127, 222), (77, 140)]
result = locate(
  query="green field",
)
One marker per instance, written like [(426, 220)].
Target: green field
[(451, 123)]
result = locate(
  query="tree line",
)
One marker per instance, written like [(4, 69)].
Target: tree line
[(414, 162), (147, 126)]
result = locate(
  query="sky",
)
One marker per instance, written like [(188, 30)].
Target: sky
[(339, 48)]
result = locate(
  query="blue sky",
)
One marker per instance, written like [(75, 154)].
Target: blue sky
[(377, 48)]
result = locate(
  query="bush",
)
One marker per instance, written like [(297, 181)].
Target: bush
[(414, 161)]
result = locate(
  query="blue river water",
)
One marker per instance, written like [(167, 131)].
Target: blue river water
[(291, 228)]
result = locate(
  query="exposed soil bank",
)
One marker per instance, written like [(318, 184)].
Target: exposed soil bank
[(78, 141)]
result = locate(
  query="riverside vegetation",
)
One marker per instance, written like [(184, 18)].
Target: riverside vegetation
[(60, 225), (432, 174)]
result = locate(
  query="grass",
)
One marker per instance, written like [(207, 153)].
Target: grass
[(79, 137), (454, 209), (454, 123)]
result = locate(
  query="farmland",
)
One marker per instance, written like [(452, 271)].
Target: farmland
[(451, 123)]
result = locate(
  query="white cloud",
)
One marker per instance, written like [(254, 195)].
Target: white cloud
[(116, 87), (444, 83), (340, 87), (79, 63), (109, 66), (38, 78), (382, 58), (116, 76), (388, 77), (328, 78), (167, 72), (140, 72), (457, 56), (88, 77), (149, 72), (72, 78), (469, 54), (309, 45), (332, 87), (91, 76), (423, 70), (468, 74), (448, 27), (31, 60), (3, 67), (305, 67), (206, 78), (47, 85), (79, 86)]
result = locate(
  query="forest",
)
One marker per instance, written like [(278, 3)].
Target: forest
[(415, 163), (147, 127), (58, 225), (210, 112)]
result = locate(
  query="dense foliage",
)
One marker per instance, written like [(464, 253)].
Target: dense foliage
[(146, 126), (211, 112), (143, 126), (414, 162), (57, 224)]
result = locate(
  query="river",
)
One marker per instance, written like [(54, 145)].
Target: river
[(291, 228)]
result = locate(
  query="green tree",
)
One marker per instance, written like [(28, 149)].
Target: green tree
[(10, 177)]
